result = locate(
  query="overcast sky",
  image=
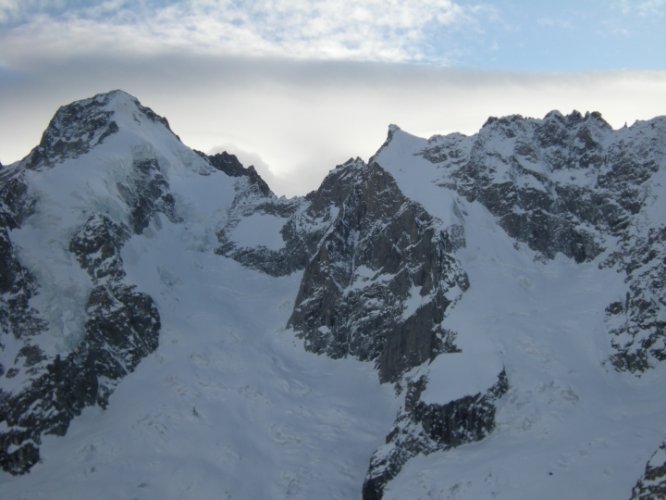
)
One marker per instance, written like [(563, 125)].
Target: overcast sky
[(296, 86)]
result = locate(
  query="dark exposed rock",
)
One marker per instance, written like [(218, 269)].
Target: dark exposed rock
[(636, 324), (73, 131), (379, 253), (367, 252), (379, 272), (17, 285), (552, 216), (145, 110), (123, 324), (539, 217), (97, 247), (652, 485), (147, 193), (230, 165), (122, 328), (304, 226), (565, 184), (18, 318), (297, 243), (78, 127), (426, 428), (227, 163), (15, 204)]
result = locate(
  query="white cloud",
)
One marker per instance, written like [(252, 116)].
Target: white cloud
[(278, 77), (300, 119), (652, 7), (370, 30), (8, 10), (557, 23), (642, 7)]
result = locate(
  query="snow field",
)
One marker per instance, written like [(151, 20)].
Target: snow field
[(229, 406), (570, 426)]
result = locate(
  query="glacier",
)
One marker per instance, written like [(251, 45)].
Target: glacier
[(456, 317)]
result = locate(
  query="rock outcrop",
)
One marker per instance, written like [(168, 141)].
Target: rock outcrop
[(653, 482), (121, 325), (426, 428), (380, 280), (380, 263), (570, 184)]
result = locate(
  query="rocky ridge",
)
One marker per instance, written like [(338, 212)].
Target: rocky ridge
[(653, 482), (380, 271), (571, 184), (422, 428), (120, 325)]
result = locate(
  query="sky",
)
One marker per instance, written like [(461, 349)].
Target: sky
[(296, 87)]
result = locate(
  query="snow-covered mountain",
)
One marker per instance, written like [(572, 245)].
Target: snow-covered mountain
[(459, 317)]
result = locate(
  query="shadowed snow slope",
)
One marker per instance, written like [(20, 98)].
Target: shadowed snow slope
[(459, 317)]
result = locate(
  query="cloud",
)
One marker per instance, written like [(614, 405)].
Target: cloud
[(642, 8), (368, 30), (8, 10), (549, 22), (301, 118), (304, 85)]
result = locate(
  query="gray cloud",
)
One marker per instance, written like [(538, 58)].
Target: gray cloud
[(641, 7), (377, 30), (300, 119)]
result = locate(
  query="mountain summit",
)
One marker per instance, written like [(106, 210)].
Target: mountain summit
[(458, 317)]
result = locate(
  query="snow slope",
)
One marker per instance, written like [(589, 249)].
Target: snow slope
[(231, 405), (570, 425)]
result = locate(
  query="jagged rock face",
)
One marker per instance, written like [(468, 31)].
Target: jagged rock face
[(378, 270), (147, 194), (297, 242), (426, 428), (636, 323), (17, 284), (570, 184), (73, 131), (78, 127), (653, 482), (122, 328), (528, 172), (382, 267), (19, 321), (305, 222), (382, 271), (531, 205), (121, 324), (230, 165), (97, 247), (15, 204)]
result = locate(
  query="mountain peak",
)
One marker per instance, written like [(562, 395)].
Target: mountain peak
[(574, 118), (121, 102), (81, 125), (495, 279), (230, 165)]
